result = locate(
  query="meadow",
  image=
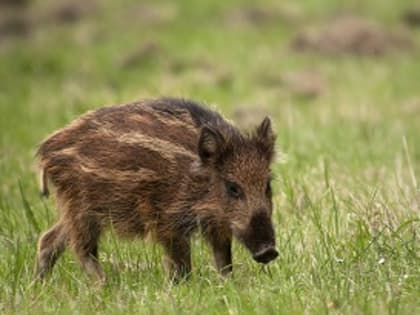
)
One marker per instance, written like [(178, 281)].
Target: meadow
[(346, 187)]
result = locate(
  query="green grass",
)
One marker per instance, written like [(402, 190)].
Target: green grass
[(347, 196)]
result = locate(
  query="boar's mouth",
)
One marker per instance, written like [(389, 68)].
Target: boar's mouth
[(265, 255), (259, 238)]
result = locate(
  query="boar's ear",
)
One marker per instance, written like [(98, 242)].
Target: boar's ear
[(265, 139), (210, 145)]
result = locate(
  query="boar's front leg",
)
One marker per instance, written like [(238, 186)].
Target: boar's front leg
[(222, 253), (177, 258)]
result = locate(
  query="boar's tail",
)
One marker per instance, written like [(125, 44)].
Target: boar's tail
[(43, 179)]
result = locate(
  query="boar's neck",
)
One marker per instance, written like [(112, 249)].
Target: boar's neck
[(204, 202)]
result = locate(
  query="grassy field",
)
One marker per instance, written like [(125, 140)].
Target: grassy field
[(347, 198)]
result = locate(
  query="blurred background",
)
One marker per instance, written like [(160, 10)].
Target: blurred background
[(340, 78), (341, 81), (351, 59)]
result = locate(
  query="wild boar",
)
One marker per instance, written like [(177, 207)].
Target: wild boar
[(163, 168)]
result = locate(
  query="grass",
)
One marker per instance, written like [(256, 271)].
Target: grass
[(347, 196)]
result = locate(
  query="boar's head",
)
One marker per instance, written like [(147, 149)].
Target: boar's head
[(241, 180)]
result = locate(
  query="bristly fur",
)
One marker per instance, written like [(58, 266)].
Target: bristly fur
[(43, 183), (155, 167)]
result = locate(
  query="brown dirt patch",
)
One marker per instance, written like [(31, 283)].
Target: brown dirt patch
[(23, 18), (219, 77), (306, 83), (411, 17), (147, 52), (411, 107), (351, 35), (301, 83), (201, 70), (70, 11), (178, 66), (13, 3), (152, 14), (15, 21), (260, 15), (14, 25)]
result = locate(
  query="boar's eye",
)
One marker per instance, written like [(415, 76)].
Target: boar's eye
[(234, 190)]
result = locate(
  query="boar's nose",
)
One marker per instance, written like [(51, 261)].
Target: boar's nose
[(266, 255)]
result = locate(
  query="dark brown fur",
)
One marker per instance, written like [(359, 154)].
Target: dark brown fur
[(161, 168)]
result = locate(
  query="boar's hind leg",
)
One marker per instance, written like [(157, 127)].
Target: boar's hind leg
[(177, 258), (84, 239), (50, 246)]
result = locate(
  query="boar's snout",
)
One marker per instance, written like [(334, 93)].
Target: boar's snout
[(265, 255), (259, 238)]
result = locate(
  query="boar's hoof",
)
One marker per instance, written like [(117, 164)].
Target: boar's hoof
[(266, 255)]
